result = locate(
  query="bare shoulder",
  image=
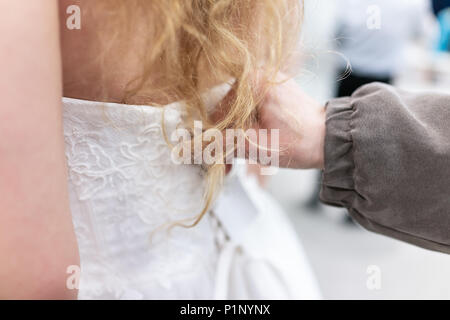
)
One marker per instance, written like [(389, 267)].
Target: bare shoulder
[(37, 240)]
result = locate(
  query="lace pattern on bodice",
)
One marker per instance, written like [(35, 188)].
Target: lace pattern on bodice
[(123, 187)]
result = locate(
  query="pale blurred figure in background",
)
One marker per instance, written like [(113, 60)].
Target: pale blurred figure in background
[(374, 35)]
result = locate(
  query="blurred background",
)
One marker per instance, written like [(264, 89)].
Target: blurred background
[(403, 42)]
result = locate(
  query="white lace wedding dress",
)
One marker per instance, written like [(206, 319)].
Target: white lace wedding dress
[(124, 186)]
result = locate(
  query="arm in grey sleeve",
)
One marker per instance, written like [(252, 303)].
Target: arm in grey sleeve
[(387, 160)]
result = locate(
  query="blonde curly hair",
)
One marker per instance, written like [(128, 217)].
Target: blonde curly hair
[(192, 42)]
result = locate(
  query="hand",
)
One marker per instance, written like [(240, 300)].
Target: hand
[(301, 121)]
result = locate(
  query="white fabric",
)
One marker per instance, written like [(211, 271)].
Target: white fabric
[(124, 189), (263, 259)]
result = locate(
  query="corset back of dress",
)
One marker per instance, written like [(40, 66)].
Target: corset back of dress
[(124, 192)]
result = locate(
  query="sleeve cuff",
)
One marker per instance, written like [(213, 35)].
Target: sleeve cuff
[(338, 176)]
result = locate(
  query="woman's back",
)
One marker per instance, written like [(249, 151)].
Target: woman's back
[(125, 190), (109, 51), (122, 189), (92, 70)]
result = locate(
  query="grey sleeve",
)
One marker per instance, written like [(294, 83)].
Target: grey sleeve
[(387, 160)]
